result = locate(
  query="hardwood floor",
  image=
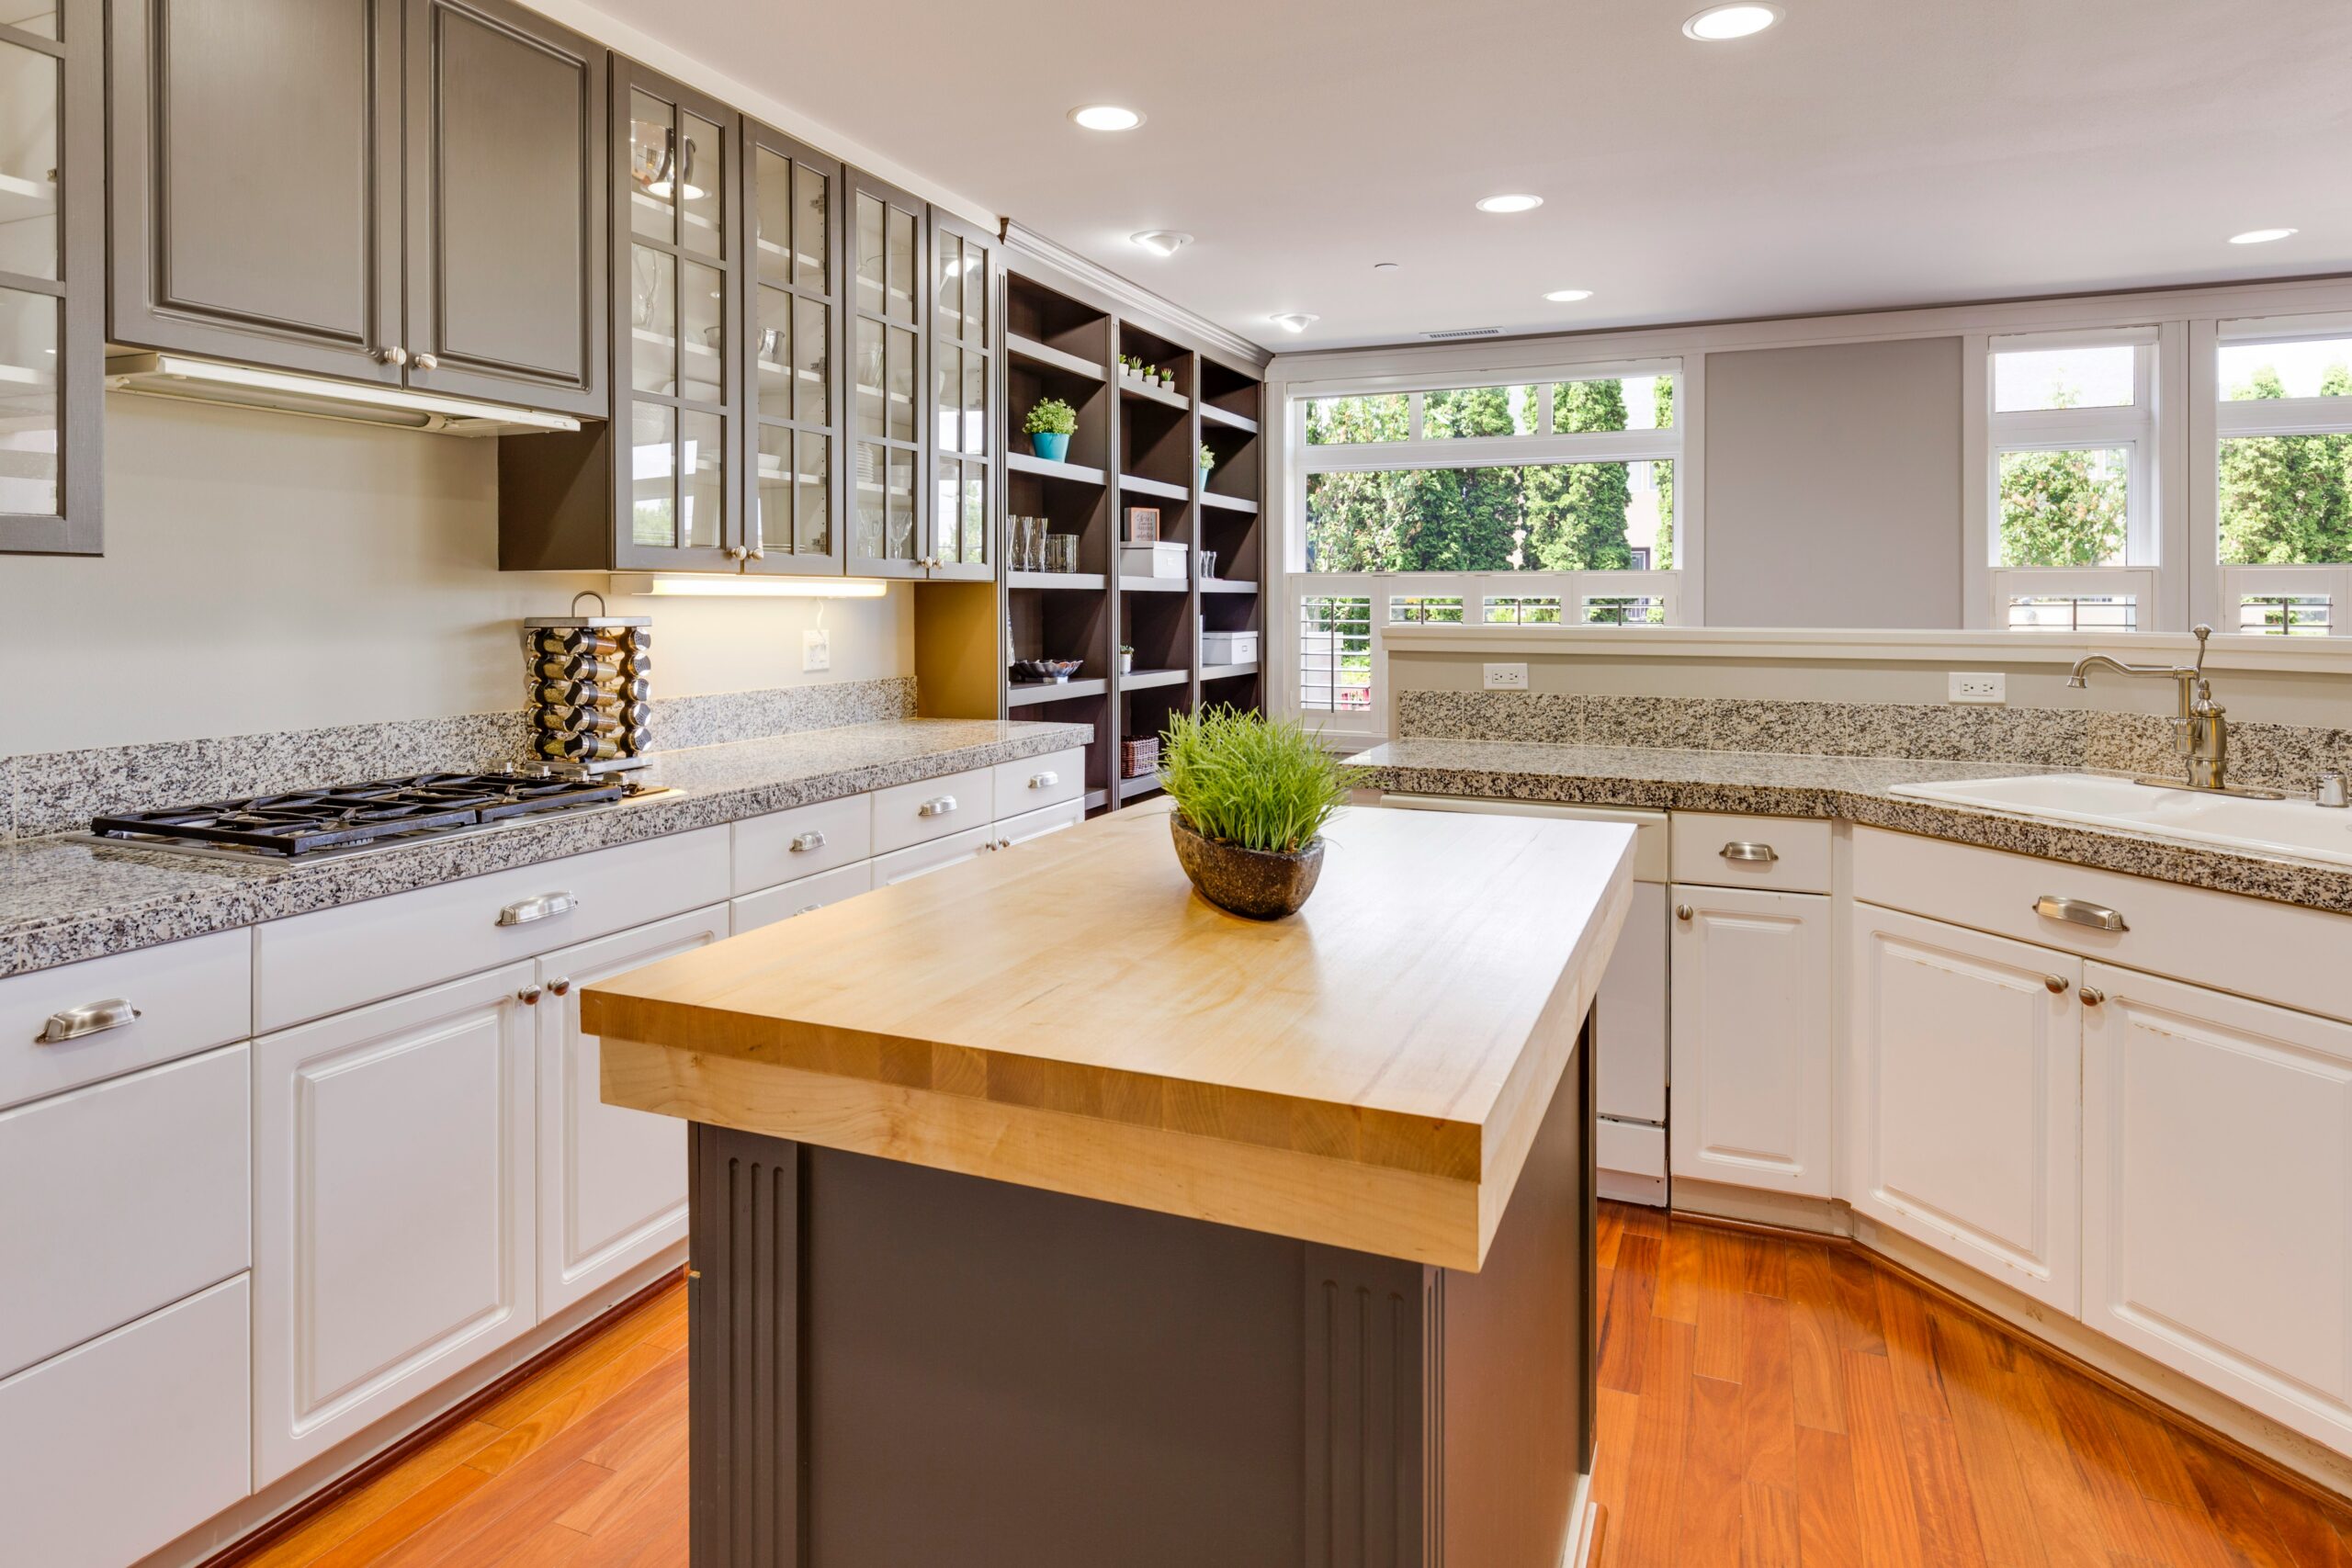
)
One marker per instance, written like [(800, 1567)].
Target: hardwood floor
[(1764, 1401)]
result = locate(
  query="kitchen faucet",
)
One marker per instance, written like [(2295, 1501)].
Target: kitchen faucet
[(2202, 732)]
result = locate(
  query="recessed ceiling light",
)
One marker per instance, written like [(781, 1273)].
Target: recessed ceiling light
[(1294, 320), (1105, 116), (1568, 296), (1510, 203), (1161, 241), (1717, 23), (2259, 236)]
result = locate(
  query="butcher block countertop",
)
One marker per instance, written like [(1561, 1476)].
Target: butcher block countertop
[(1068, 1015)]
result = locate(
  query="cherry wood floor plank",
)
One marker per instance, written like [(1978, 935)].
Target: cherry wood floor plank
[(1722, 1305), (1972, 1385), (493, 1522), (1624, 1323), (640, 1455), (1768, 1537), (551, 1546), (518, 1404), (1768, 1397), (319, 1534), (1681, 1267), (1941, 1494), (1713, 1470), (2081, 1410), (1903, 1318), (420, 1508), (2310, 1534), (1615, 1417), (650, 1533), (1857, 1284), (556, 1415), (2229, 1500), (1644, 1537), (1814, 1338), (2066, 1510), (1887, 1519), (1608, 1226), (1829, 1518)]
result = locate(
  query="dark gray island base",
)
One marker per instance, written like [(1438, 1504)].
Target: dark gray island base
[(900, 1367)]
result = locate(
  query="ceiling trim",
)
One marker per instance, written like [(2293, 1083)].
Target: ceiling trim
[(1125, 291)]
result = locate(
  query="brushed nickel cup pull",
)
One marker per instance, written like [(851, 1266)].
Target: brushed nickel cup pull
[(937, 806), (807, 909), (545, 906), (1047, 780), (1740, 849), (2093, 996), (1682, 912), (427, 362), (803, 843), (2079, 913), (2057, 984), (90, 1018)]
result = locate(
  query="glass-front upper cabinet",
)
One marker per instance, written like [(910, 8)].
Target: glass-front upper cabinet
[(962, 391), (52, 268), (679, 384), (795, 340), (889, 522)]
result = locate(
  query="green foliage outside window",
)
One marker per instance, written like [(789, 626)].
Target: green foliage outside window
[(2286, 500)]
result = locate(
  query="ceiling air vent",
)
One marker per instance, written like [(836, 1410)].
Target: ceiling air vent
[(1464, 331)]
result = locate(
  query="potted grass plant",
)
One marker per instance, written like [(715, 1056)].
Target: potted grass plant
[(1050, 425), (1252, 798)]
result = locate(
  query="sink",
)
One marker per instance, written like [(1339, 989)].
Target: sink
[(2276, 827)]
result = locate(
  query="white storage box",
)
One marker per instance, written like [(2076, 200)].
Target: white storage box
[(1163, 559), (1228, 647)]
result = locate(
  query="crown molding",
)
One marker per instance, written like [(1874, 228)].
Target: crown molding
[(1129, 295)]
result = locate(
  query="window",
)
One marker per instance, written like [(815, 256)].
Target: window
[(2283, 477), (1543, 500), (2073, 525)]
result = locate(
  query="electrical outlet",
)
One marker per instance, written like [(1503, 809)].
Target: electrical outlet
[(1978, 686), (816, 649), (1506, 677)]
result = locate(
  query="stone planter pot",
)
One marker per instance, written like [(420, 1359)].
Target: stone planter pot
[(1257, 884)]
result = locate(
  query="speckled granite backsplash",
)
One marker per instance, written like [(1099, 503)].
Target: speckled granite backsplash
[(2280, 755), (55, 792)]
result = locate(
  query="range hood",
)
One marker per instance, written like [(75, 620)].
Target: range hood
[(191, 380)]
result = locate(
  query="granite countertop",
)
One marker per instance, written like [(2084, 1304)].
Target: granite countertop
[(1855, 788), (62, 901)]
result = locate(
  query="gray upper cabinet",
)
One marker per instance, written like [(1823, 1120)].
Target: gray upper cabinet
[(53, 267), (405, 191), (506, 207)]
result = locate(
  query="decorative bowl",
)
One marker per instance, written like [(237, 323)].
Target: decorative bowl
[(1056, 670), (1259, 885)]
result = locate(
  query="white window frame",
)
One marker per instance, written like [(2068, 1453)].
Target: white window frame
[(2273, 416), (2134, 428), (1675, 586)]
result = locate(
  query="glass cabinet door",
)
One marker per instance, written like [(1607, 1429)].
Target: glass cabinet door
[(52, 268), (795, 341), (677, 296), (961, 399), (890, 517)]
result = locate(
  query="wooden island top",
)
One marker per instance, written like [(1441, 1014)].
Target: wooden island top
[(1067, 1015)]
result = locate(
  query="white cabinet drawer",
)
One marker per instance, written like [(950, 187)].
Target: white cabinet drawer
[(802, 841), (1035, 782), (1788, 855), (931, 808), (764, 908), (120, 1197), (314, 964), (1012, 831), (189, 995), (936, 856), (117, 1446), (1631, 1148), (2272, 952)]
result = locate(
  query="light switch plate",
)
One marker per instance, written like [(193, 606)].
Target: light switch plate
[(1978, 686), (816, 649), (1506, 677)]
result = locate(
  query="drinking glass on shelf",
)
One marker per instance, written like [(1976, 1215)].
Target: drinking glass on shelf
[(1208, 566), (1029, 527), (1065, 552)]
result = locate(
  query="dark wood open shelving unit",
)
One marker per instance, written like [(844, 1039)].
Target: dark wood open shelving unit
[(1134, 444)]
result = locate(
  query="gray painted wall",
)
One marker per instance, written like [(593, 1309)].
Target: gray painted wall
[(1833, 486)]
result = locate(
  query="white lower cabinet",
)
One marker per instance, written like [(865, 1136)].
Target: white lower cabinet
[(393, 1206), (612, 1181), (121, 1444), (1752, 1049), (2217, 1192), (1962, 1093), (936, 856), (754, 911), (1020, 829)]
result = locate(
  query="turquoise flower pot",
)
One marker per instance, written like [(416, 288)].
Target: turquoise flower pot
[(1051, 447)]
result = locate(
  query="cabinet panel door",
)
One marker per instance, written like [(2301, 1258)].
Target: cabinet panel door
[(256, 148), (506, 171), (1630, 1017), (2217, 1192), (612, 1180), (1962, 1088), (392, 1236), (888, 310), (1751, 1038)]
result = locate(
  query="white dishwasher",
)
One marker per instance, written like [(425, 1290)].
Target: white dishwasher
[(1629, 1016)]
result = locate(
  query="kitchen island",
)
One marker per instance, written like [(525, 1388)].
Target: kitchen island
[(1045, 1215)]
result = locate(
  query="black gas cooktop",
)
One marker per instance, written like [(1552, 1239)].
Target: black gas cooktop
[(306, 822)]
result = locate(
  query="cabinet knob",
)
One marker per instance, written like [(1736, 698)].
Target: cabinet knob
[(528, 996), (757, 553), (2093, 996), (737, 552), (1683, 911), (561, 986), (2057, 984), (395, 354), (427, 362)]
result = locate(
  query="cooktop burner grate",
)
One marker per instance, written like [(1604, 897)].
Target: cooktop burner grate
[(305, 821)]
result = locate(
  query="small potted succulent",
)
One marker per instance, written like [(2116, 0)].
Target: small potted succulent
[(1126, 660), (1252, 798), (1167, 380), (1050, 425)]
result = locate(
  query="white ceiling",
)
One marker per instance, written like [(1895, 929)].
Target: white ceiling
[(1862, 154)]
